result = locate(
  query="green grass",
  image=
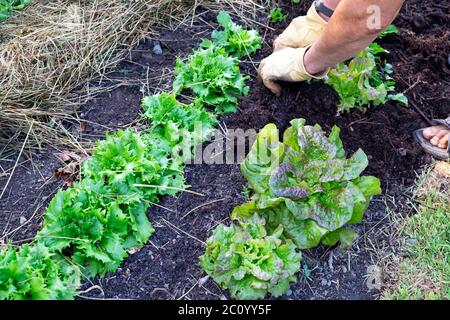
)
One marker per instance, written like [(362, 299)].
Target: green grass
[(424, 273)]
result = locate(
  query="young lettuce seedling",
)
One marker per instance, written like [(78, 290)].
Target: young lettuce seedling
[(365, 80), (276, 15), (234, 39)]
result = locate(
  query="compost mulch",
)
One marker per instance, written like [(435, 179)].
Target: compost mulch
[(167, 267)]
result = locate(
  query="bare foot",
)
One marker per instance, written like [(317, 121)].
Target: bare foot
[(437, 135)]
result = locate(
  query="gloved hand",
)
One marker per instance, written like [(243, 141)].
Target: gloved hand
[(302, 32), (285, 65)]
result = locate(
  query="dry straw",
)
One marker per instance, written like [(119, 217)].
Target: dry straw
[(51, 51)]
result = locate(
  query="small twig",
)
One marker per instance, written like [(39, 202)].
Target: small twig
[(178, 229), (192, 288), (17, 161), (414, 105), (160, 206), (22, 225), (170, 188), (413, 85), (420, 112), (201, 206), (92, 288)]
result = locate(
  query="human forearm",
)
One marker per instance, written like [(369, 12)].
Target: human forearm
[(310, 45), (349, 31)]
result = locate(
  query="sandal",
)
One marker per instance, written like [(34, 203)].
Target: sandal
[(438, 153)]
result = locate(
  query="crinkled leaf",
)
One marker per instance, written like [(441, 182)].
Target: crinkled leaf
[(250, 263), (283, 183), (32, 272), (365, 80), (265, 155), (354, 166), (344, 236), (213, 76), (314, 190)]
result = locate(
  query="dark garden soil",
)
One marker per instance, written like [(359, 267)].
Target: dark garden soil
[(167, 267)]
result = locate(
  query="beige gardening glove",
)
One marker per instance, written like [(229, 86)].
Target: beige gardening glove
[(302, 32), (285, 65)]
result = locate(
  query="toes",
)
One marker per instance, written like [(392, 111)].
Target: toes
[(443, 142), (442, 132), (430, 132), (434, 141)]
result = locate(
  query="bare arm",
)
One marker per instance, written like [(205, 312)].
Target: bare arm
[(354, 25)]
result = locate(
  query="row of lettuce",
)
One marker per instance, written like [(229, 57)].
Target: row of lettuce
[(305, 190), (90, 228)]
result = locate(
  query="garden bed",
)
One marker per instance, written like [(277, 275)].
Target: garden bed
[(167, 267)]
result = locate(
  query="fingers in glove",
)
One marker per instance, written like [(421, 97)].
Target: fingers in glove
[(278, 45), (274, 87), (261, 69)]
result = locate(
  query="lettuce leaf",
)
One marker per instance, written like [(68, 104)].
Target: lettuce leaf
[(365, 80), (250, 263), (95, 226), (234, 39), (176, 126), (32, 272), (265, 155), (213, 76), (306, 184), (8, 6)]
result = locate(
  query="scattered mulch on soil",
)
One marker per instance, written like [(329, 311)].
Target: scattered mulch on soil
[(167, 268)]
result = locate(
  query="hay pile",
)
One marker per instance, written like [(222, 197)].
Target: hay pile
[(50, 51)]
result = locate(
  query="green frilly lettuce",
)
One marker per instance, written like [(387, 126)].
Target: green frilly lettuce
[(237, 41), (32, 272)]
